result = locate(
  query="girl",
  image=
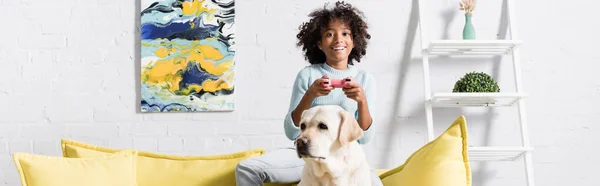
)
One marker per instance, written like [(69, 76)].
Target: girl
[(332, 40)]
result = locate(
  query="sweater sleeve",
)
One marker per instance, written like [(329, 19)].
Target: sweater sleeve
[(299, 88), (370, 89)]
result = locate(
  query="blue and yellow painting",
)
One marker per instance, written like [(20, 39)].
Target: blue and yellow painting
[(187, 55)]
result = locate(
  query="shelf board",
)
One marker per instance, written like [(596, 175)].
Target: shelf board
[(467, 99), (496, 153), (472, 47)]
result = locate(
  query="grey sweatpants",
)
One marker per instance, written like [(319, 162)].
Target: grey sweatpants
[(276, 166)]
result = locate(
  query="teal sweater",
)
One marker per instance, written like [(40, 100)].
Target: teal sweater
[(309, 74)]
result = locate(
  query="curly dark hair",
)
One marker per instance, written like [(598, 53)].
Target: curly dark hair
[(310, 32)]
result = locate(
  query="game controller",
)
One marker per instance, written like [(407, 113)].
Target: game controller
[(336, 83)]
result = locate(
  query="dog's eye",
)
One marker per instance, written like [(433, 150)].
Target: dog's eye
[(302, 126), (322, 126)]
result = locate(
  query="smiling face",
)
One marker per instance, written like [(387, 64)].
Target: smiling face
[(324, 129), (336, 42)]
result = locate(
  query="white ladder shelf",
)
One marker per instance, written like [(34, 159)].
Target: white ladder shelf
[(478, 48)]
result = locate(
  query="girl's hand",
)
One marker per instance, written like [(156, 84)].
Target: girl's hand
[(354, 91), (316, 89)]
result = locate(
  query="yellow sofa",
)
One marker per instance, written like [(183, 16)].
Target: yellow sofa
[(443, 161), (162, 169)]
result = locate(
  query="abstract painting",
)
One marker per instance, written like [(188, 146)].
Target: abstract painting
[(187, 55)]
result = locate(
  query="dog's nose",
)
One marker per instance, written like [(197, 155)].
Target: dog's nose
[(302, 147), (301, 141)]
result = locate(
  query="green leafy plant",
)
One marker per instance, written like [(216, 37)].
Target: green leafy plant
[(476, 82)]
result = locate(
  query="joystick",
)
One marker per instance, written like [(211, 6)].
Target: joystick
[(336, 83)]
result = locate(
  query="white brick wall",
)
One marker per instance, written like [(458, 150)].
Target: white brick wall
[(68, 69)]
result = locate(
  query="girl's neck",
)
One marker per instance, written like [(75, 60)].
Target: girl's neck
[(341, 65)]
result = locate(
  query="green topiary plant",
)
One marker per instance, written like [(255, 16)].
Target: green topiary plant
[(476, 82)]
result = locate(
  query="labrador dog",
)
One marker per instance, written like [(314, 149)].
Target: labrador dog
[(328, 145)]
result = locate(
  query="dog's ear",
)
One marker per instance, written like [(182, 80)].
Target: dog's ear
[(349, 129), (302, 115)]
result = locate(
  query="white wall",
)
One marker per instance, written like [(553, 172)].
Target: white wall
[(69, 69)]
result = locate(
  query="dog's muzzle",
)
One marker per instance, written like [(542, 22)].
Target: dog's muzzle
[(302, 147)]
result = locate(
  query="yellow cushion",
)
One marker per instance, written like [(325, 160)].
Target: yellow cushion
[(443, 161), (116, 169), (381, 171), (155, 169)]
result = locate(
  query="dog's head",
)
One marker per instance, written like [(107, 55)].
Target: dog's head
[(324, 129)]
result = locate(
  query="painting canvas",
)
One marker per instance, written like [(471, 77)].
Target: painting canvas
[(187, 55)]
